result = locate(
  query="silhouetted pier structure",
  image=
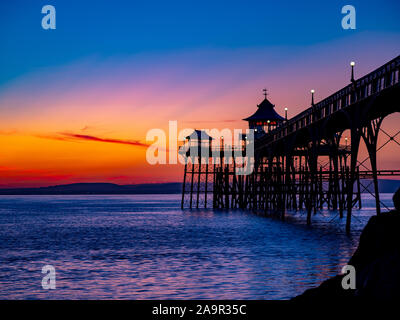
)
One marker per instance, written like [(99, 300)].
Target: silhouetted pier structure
[(301, 163)]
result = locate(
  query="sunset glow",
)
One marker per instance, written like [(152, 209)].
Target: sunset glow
[(84, 119)]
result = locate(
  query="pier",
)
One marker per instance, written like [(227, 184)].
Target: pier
[(301, 163)]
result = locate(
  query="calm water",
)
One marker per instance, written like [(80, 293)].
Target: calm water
[(144, 247)]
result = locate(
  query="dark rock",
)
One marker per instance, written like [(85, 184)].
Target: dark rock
[(376, 261)]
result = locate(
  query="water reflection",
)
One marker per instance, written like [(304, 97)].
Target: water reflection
[(144, 247)]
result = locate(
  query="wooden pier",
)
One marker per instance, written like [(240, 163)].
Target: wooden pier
[(301, 163)]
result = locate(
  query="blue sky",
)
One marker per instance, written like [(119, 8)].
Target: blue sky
[(118, 28)]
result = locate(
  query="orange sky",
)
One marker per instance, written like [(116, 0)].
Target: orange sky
[(87, 121)]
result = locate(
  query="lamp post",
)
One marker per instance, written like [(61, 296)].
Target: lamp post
[(286, 114), (352, 64), (312, 97)]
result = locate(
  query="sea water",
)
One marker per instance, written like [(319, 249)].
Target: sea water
[(145, 247)]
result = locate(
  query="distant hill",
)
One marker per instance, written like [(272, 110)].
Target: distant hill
[(98, 188), (385, 186)]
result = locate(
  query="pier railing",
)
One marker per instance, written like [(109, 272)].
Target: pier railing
[(376, 81)]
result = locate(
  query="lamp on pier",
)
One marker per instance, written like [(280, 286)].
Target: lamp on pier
[(352, 64), (312, 97)]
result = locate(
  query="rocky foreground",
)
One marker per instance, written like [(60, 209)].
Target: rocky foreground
[(376, 261)]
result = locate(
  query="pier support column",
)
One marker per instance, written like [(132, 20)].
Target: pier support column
[(334, 143), (311, 199), (184, 185), (355, 143), (370, 136)]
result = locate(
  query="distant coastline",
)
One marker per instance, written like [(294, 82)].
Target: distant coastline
[(98, 188), (385, 186)]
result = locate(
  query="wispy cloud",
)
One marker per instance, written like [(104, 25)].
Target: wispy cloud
[(213, 121), (51, 137), (8, 132), (67, 136)]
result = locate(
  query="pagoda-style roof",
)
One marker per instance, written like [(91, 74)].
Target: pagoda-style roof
[(265, 112), (199, 135)]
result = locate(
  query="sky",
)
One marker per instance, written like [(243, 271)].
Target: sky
[(76, 102)]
